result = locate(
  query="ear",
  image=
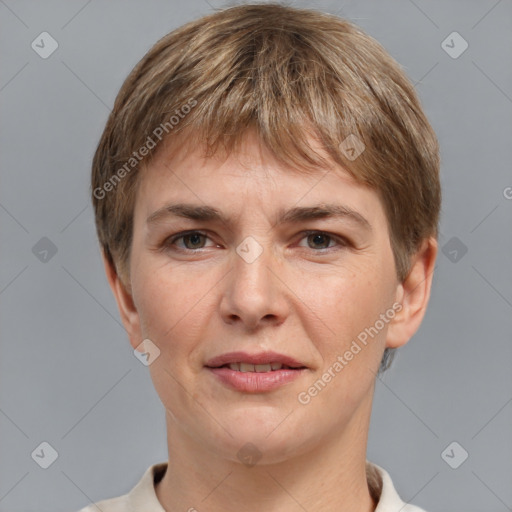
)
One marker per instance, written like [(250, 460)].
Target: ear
[(413, 294), (125, 304)]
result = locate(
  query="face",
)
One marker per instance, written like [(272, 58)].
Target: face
[(293, 294)]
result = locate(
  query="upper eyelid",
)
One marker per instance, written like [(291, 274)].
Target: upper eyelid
[(173, 238)]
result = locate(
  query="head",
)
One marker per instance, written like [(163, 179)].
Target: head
[(254, 110)]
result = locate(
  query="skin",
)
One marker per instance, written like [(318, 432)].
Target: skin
[(305, 296)]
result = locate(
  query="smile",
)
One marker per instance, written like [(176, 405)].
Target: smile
[(254, 373), (259, 368)]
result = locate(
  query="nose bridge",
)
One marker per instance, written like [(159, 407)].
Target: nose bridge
[(252, 267), (254, 292)]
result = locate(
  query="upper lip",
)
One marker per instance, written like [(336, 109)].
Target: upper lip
[(258, 358)]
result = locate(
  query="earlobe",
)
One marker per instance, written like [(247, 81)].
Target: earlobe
[(127, 310), (413, 294)]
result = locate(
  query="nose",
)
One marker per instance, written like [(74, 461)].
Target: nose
[(255, 293)]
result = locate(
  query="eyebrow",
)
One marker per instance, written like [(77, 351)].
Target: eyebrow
[(292, 216)]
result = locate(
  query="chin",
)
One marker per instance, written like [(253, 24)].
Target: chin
[(262, 439)]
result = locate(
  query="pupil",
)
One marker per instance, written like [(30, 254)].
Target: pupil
[(195, 238), (315, 238)]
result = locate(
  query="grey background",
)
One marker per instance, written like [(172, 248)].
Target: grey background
[(68, 374)]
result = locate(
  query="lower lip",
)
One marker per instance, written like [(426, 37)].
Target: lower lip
[(254, 382)]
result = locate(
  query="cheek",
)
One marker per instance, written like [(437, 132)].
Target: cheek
[(350, 310), (172, 314), (350, 302), (167, 301)]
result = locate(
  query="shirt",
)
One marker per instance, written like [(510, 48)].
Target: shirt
[(143, 498)]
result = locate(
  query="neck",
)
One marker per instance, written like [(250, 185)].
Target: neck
[(329, 477)]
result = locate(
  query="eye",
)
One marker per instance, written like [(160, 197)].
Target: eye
[(321, 240), (191, 239), (195, 240)]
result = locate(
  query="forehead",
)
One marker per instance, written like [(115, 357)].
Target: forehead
[(246, 178)]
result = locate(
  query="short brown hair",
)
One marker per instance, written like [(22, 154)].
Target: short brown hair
[(291, 74)]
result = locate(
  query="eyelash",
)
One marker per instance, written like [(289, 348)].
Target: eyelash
[(170, 241)]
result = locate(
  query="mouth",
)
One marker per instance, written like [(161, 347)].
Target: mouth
[(258, 368), (255, 373), (260, 362)]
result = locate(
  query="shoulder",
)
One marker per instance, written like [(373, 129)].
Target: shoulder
[(384, 492), (412, 508), (142, 496), (118, 504)]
